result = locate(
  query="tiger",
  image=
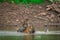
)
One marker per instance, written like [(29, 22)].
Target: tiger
[(26, 28)]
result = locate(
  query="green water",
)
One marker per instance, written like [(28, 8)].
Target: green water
[(37, 37)]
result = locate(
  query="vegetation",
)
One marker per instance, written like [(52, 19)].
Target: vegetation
[(23, 1)]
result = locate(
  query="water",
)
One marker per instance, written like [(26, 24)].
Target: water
[(31, 37), (13, 35)]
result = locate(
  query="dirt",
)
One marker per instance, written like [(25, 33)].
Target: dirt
[(12, 14)]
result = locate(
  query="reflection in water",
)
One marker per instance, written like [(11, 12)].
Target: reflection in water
[(28, 37)]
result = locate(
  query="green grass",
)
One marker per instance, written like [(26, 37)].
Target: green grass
[(37, 37)]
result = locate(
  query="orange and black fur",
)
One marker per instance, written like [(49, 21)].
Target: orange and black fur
[(26, 28)]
